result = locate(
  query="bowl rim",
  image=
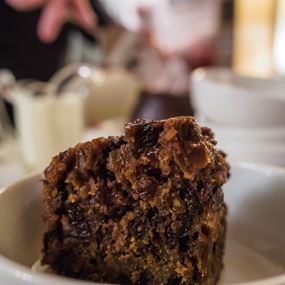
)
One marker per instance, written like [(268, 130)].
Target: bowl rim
[(213, 75), (9, 267)]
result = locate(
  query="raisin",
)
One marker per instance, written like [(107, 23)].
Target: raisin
[(144, 280), (147, 187), (156, 173), (174, 280), (206, 231), (195, 235), (152, 212), (189, 132), (146, 137), (184, 243)]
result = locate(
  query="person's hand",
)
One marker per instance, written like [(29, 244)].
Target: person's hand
[(55, 13)]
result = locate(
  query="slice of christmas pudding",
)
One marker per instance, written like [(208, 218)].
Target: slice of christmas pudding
[(145, 208)]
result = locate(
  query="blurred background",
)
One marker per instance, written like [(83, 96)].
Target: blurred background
[(68, 75)]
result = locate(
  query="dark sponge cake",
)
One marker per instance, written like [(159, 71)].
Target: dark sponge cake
[(144, 208)]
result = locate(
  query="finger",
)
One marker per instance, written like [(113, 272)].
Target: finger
[(52, 19), (25, 5), (83, 13)]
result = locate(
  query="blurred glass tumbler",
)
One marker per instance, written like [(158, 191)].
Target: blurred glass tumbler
[(47, 124), (50, 117)]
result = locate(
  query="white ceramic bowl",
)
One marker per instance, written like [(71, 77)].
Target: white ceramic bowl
[(255, 250), (232, 100)]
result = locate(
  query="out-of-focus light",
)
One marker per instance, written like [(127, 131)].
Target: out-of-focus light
[(84, 72), (253, 34), (279, 39)]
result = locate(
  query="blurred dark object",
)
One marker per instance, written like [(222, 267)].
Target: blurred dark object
[(166, 87), (10, 110), (162, 106), (224, 40), (103, 18), (7, 82), (20, 49)]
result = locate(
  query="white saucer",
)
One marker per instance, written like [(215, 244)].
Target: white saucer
[(255, 249)]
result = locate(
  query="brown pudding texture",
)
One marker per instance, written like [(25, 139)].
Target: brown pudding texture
[(145, 208)]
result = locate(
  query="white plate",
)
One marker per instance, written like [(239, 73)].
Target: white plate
[(255, 250)]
